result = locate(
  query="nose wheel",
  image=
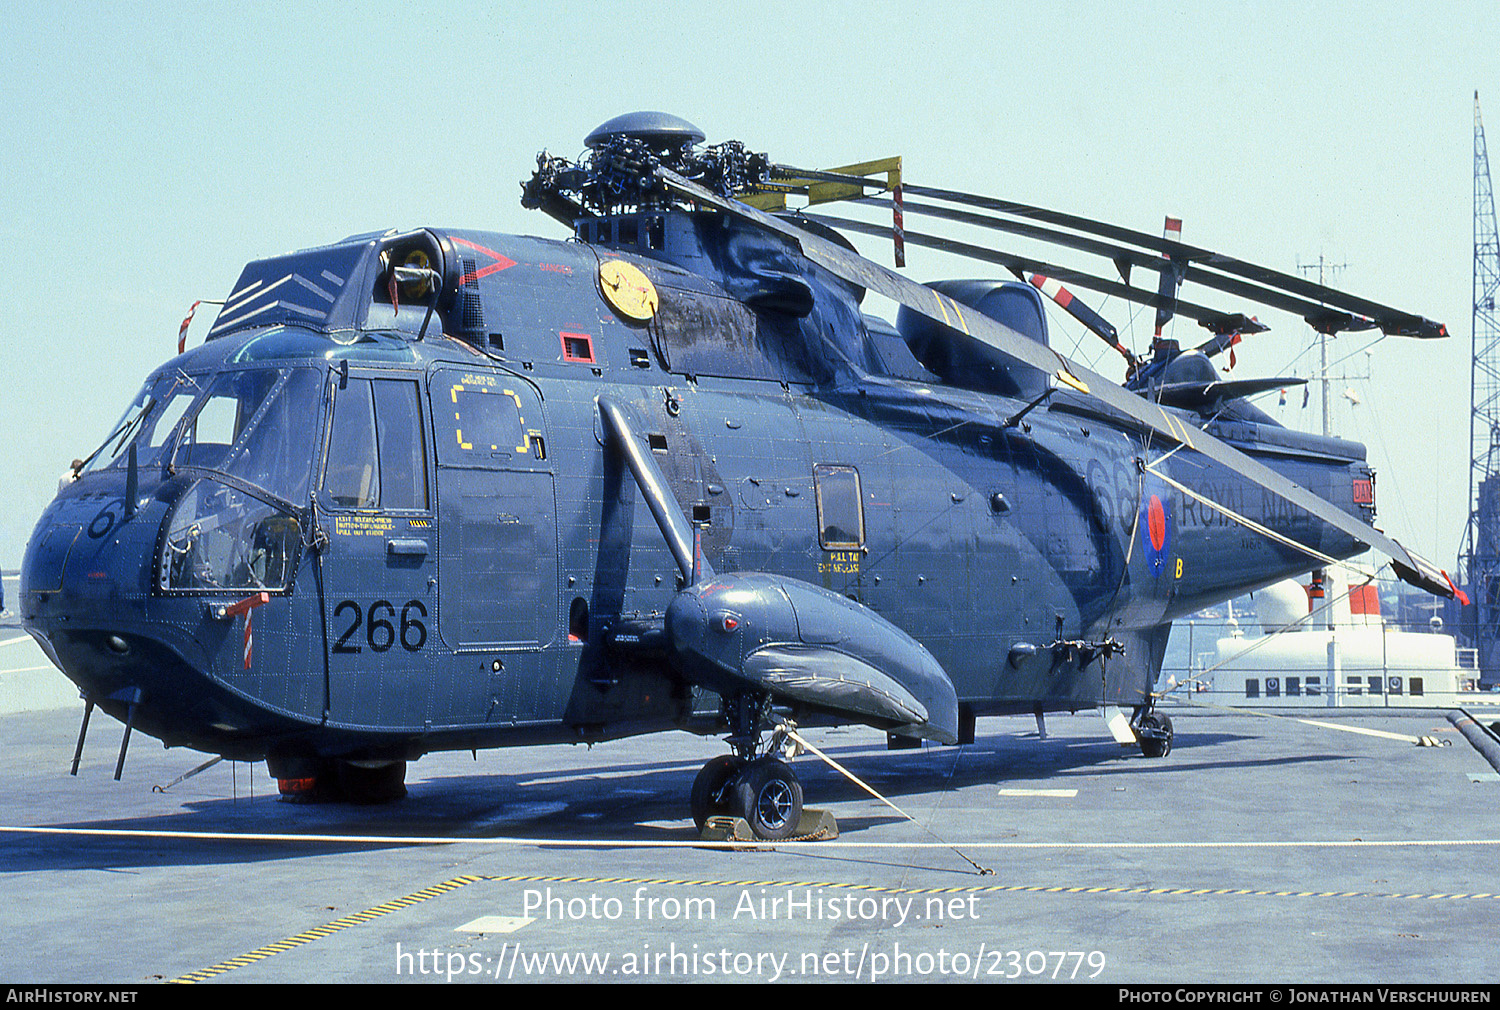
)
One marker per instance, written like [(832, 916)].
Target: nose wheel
[(769, 798), (764, 792)]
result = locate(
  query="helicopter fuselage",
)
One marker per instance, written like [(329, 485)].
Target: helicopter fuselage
[(346, 525)]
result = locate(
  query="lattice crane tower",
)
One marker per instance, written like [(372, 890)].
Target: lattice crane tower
[(1481, 554)]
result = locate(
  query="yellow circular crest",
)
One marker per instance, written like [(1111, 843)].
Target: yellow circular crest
[(629, 291), (417, 289)]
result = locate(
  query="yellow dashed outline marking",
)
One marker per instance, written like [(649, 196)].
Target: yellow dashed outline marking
[(459, 432)]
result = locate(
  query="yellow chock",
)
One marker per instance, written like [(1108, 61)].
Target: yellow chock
[(814, 825)]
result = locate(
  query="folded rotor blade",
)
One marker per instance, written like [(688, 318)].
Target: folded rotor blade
[(1211, 318), (1271, 287), (1390, 320), (1318, 314), (855, 269)]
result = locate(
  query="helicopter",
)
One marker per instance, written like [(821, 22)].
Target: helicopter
[(446, 489)]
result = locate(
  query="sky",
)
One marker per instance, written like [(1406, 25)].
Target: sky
[(150, 151)]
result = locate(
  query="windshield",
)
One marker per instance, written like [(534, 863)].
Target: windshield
[(148, 423), (257, 424)]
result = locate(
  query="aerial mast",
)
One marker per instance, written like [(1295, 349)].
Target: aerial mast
[(1323, 337), (1481, 554)]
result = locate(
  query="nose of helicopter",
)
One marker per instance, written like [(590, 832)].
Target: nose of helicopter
[(85, 597), (146, 627)]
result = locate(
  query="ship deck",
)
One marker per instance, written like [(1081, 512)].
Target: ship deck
[(1262, 849)]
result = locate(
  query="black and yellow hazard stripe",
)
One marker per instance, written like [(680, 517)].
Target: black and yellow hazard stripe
[(328, 929), (386, 908), (993, 888)]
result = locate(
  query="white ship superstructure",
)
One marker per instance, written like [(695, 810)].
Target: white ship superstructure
[(1335, 651)]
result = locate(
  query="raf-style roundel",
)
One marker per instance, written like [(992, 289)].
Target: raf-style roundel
[(1156, 525)]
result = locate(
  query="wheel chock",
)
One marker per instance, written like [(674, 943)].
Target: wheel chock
[(814, 825), (727, 829)]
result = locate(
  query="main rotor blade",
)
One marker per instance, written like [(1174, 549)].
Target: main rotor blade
[(855, 269), (1321, 315), (1013, 262), (1390, 320)]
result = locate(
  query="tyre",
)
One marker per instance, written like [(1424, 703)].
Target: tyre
[(362, 782), (711, 795), (1156, 735), (769, 798), (301, 779)]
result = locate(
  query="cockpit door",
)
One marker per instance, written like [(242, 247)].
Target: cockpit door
[(379, 570)]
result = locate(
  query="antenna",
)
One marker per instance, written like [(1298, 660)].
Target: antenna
[(1331, 268)]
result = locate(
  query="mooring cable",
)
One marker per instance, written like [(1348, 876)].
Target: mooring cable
[(983, 871)]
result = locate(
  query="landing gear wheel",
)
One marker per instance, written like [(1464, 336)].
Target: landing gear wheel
[(1156, 735), (364, 783), (302, 779), (769, 798), (712, 793)]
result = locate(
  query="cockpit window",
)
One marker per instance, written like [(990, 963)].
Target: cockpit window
[(352, 479), (149, 423), (256, 425), (223, 416), (253, 424), (220, 538), (249, 423), (377, 453), (277, 452)]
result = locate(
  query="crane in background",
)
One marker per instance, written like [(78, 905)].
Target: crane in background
[(1480, 555)]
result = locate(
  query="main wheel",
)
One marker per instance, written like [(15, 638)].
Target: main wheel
[(769, 798), (710, 796), (363, 782), (303, 779), (1156, 738)]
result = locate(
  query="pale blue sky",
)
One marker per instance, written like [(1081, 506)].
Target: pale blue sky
[(149, 151)]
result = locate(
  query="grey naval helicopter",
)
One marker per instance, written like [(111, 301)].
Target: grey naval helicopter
[(446, 490)]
